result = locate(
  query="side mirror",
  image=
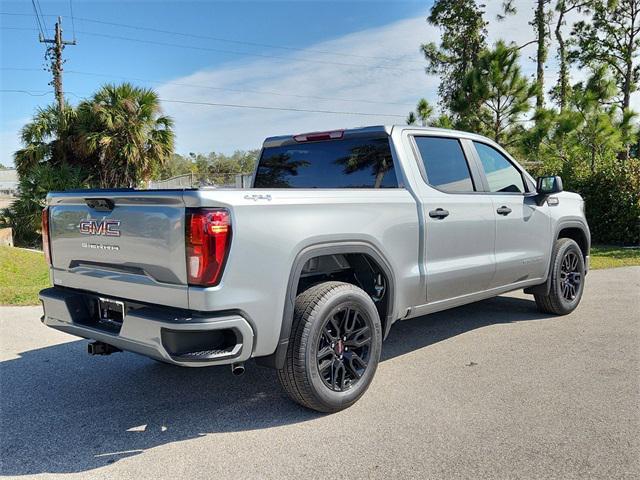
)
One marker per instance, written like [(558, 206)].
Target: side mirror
[(549, 185), (546, 186)]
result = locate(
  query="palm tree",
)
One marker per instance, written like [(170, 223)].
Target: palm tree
[(124, 128), (424, 111), (374, 156), (24, 214), (50, 137)]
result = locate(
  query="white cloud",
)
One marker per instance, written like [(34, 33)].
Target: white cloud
[(205, 128), (401, 81)]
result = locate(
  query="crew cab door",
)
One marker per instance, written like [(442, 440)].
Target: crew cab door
[(459, 222), (523, 229)]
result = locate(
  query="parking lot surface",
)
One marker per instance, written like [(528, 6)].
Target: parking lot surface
[(491, 390)]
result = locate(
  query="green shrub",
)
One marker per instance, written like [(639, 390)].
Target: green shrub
[(612, 203), (24, 215), (611, 194)]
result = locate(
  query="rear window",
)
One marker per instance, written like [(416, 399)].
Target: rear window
[(346, 163), (445, 164)]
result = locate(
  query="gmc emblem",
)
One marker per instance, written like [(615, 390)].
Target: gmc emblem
[(107, 228)]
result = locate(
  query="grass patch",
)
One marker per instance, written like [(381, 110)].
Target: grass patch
[(603, 256), (22, 275)]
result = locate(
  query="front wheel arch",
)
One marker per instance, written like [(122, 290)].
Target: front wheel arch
[(576, 231)]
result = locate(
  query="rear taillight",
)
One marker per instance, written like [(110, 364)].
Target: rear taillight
[(45, 235), (208, 238)]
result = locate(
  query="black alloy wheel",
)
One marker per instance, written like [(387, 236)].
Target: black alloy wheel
[(566, 279), (334, 347), (344, 348), (570, 276)]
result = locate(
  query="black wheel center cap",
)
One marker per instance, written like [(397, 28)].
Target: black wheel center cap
[(339, 349)]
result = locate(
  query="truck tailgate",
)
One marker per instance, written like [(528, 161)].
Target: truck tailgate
[(126, 244)]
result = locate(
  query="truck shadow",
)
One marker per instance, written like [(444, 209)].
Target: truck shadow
[(64, 412)]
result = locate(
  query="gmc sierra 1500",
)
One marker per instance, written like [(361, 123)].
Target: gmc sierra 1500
[(343, 233)]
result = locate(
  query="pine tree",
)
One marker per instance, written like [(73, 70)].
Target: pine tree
[(611, 38), (462, 39), (495, 94)]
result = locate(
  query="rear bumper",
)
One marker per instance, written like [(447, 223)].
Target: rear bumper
[(180, 337)]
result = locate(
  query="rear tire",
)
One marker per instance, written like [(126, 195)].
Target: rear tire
[(567, 279), (334, 348)]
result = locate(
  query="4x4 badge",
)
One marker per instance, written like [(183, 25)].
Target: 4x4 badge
[(255, 198)]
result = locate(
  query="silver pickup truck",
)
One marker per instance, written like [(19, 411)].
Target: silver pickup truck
[(343, 233)]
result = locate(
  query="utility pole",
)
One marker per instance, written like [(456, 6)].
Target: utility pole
[(56, 60)]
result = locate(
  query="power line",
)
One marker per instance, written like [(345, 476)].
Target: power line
[(264, 107), (235, 52), (38, 23), (225, 89), (32, 93), (73, 23), (21, 69), (26, 29), (254, 107), (239, 90), (249, 54), (233, 41), (238, 42), (44, 23)]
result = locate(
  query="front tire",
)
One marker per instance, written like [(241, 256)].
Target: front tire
[(334, 348), (567, 279)]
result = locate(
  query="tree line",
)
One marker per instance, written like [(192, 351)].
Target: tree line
[(211, 168), (583, 130)]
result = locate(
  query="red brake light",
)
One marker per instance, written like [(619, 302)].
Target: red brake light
[(316, 136), (208, 238), (45, 235)]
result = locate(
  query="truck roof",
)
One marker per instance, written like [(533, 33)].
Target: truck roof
[(373, 129)]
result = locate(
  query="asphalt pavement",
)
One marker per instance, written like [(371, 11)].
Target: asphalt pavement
[(491, 390)]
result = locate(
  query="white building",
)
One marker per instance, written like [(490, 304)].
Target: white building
[(8, 182)]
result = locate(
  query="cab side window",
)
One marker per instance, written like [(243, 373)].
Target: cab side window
[(501, 174), (445, 164)]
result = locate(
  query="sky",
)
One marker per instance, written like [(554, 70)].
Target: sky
[(352, 63)]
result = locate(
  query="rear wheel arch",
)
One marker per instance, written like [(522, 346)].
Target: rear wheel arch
[(359, 254)]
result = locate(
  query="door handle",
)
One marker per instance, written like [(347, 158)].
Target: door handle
[(439, 213), (504, 210)]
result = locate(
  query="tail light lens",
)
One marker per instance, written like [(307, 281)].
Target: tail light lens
[(208, 238), (45, 235)]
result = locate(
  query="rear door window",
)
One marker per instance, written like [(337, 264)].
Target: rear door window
[(357, 162), (445, 165)]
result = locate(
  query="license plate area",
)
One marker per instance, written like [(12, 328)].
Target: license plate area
[(109, 314)]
